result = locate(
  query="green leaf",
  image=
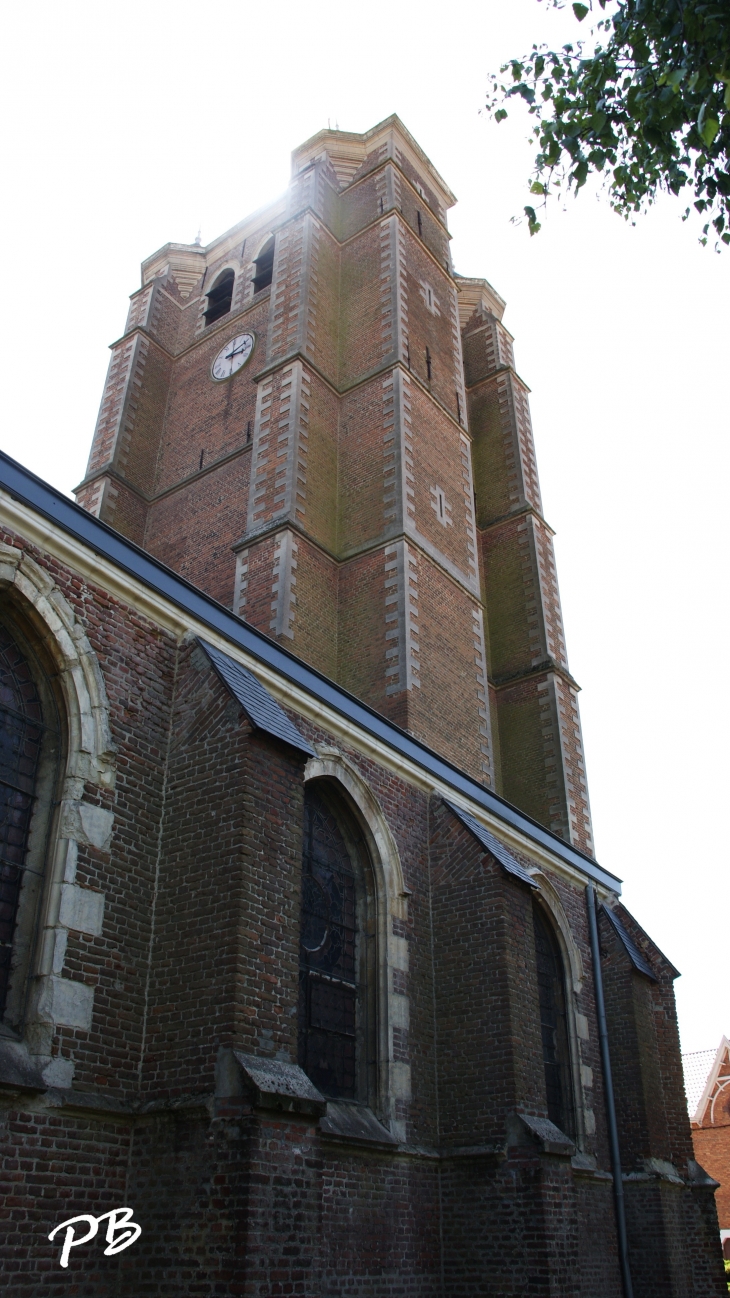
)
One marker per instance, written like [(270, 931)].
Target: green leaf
[(645, 109), (532, 221), (500, 114), (710, 127)]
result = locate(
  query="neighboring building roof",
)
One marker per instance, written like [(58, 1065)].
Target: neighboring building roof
[(103, 540), (638, 960), (696, 1065), (263, 711), (492, 845), (706, 1075)]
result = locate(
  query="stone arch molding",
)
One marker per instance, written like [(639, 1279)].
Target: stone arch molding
[(330, 762), (551, 899), (59, 1001), (582, 1075), (90, 746), (392, 962)]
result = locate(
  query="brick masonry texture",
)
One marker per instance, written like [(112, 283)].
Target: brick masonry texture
[(383, 523), (198, 957), (380, 407)]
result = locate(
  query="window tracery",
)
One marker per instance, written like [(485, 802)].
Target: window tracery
[(29, 740), (337, 1039), (553, 1024)]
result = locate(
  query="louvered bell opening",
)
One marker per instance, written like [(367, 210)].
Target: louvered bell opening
[(220, 297), (264, 267)]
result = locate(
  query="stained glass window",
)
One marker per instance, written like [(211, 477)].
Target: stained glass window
[(334, 1009), (553, 1025), (21, 736)]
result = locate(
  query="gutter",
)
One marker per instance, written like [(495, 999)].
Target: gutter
[(32, 491)]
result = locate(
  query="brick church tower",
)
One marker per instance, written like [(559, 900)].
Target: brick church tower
[(318, 422), (305, 956)]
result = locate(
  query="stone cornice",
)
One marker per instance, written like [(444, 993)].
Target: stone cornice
[(108, 471), (489, 378), (522, 512), (548, 666)]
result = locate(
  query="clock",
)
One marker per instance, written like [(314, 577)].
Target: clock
[(233, 356)]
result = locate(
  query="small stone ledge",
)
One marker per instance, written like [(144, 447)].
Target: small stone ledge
[(179, 1104), (355, 1124), (489, 1150), (525, 1129), (664, 1170), (18, 1072), (587, 1166), (89, 1101), (699, 1179), (276, 1084)]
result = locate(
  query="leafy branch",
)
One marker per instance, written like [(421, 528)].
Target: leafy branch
[(647, 108)]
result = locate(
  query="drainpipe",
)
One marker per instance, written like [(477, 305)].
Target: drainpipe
[(618, 1185)]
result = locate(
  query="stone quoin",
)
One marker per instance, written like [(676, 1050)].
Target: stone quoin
[(304, 946)]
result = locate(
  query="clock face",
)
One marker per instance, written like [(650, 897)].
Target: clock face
[(231, 357)]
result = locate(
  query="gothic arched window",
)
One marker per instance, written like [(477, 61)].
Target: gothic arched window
[(220, 297), (553, 1024), (264, 264), (29, 750), (336, 951)]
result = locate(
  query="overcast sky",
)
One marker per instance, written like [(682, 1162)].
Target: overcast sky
[(130, 125)]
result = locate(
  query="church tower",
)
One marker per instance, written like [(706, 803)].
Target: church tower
[(319, 423)]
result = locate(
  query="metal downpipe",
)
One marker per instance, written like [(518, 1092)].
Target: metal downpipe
[(618, 1185)]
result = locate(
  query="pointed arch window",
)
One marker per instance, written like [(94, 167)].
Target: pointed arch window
[(337, 1037), (220, 297), (29, 750), (264, 265), (553, 1024)]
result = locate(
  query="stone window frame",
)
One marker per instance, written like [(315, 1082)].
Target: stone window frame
[(391, 903), (88, 760), (577, 1023)]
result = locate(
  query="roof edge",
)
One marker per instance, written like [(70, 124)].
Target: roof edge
[(23, 485)]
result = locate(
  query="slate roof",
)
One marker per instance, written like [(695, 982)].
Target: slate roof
[(492, 845), (261, 709), (637, 959)]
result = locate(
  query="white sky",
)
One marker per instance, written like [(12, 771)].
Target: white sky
[(130, 125)]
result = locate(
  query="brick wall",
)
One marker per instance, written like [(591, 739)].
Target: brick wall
[(712, 1151), (198, 955)]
